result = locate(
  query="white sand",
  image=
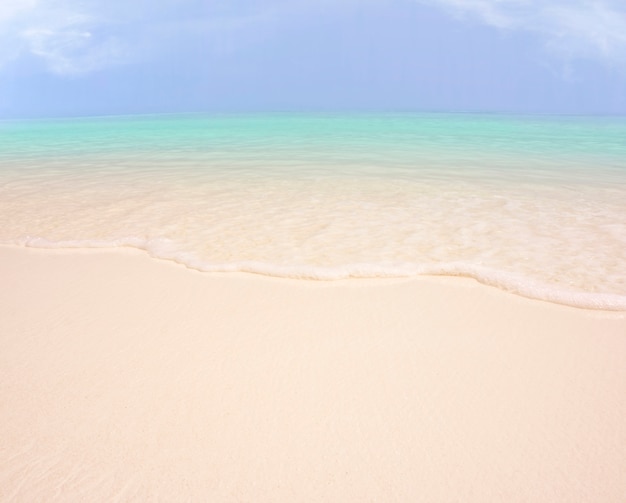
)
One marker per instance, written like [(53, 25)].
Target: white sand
[(130, 379)]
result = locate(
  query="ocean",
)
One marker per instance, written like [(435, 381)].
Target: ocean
[(534, 205)]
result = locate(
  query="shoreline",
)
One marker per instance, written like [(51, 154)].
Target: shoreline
[(508, 283), (126, 377)]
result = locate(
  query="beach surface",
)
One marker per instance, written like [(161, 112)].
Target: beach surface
[(125, 378)]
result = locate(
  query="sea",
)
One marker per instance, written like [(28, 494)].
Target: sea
[(534, 205)]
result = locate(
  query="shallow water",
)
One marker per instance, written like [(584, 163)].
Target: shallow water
[(531, 204)]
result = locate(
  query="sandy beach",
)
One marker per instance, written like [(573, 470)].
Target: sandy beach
[(125, 378)]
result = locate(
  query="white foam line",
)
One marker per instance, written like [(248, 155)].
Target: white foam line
[(167, 250)]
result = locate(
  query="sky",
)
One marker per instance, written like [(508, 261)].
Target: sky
[(95, 57)]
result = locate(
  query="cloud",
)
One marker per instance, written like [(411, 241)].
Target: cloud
[(70, 37), (74, 37), (593, 29)]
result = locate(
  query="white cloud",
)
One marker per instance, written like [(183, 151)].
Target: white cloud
[(71, 51), (12, 13), (593, 29), (73, 37), (65, 35)]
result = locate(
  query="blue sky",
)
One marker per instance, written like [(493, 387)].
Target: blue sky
[(85, 57)]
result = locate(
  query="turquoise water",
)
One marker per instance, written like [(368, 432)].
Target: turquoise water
[(535, 205)]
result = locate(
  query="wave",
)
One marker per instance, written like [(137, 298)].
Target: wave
[(165, 249)]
